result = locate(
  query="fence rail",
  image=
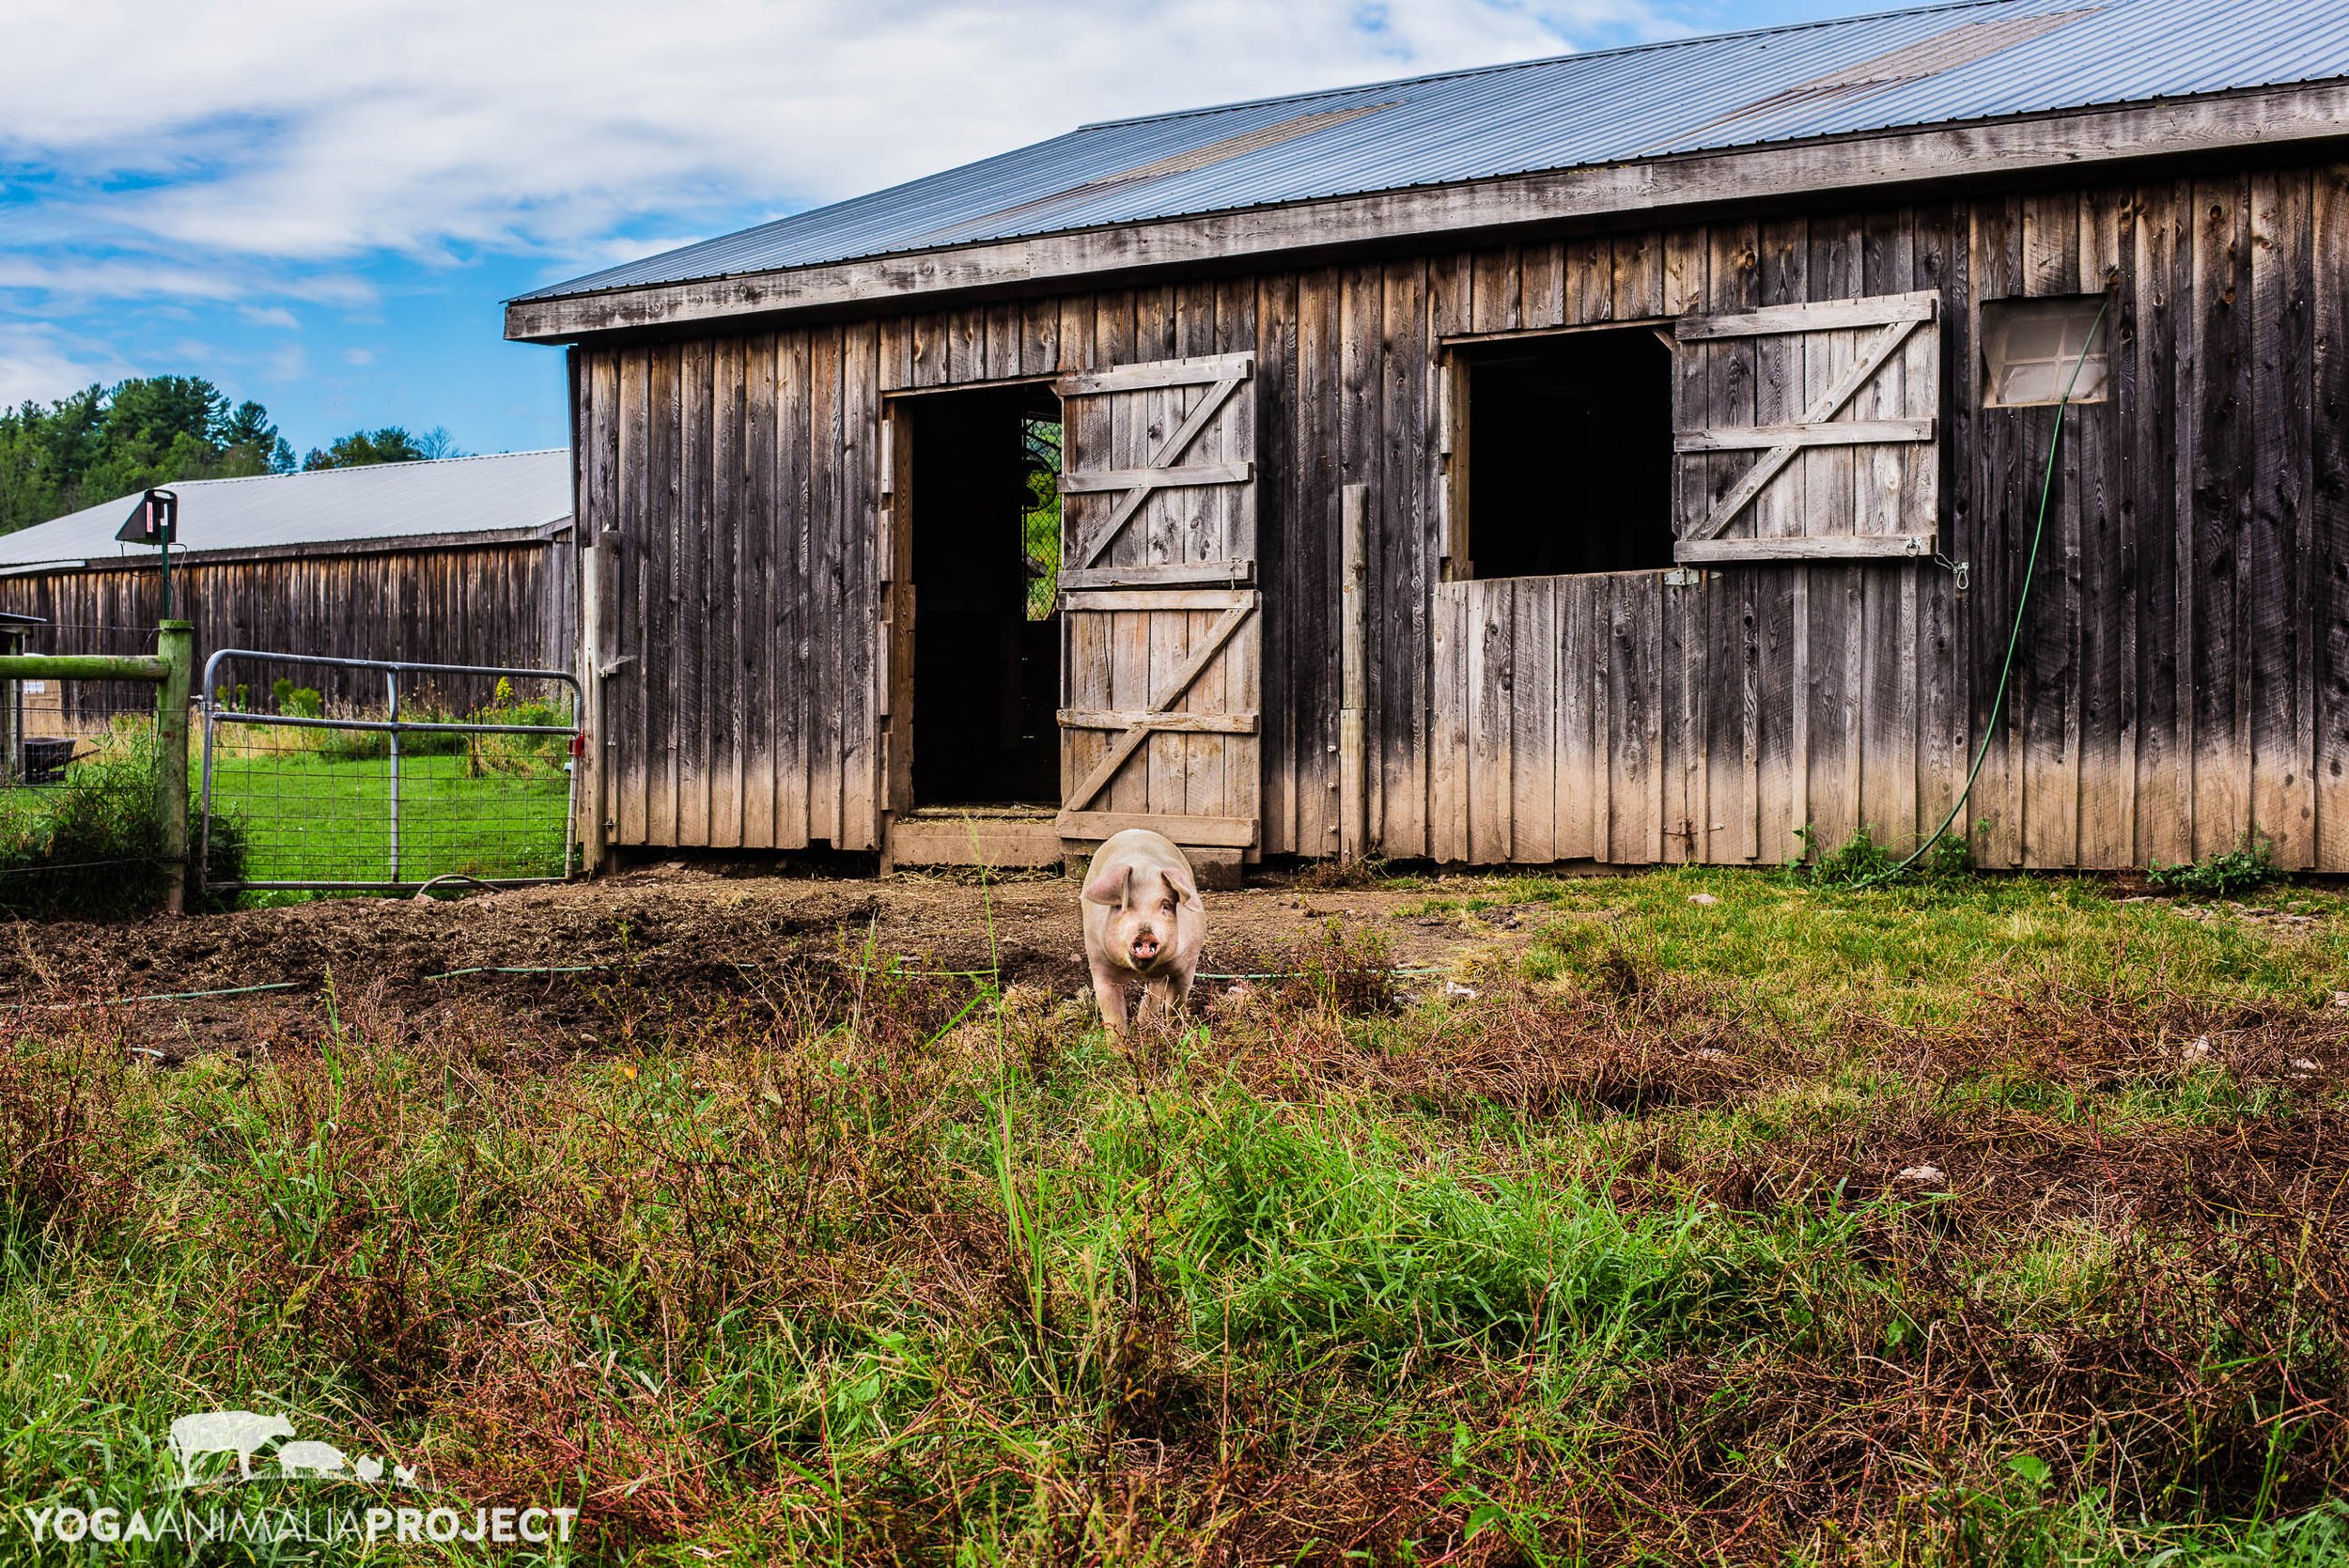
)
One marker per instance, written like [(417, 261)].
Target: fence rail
[(302, 781)]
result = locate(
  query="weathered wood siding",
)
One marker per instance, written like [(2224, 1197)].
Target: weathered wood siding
[(2185, 671), (506, 604)]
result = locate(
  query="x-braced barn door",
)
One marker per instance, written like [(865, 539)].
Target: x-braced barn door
[(1163, 638)]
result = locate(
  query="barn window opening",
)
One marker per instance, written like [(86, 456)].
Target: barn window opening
[(983, 476), (2029, 347), (1564, 462)]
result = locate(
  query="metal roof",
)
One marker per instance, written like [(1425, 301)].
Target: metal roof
[(1932, 66), (335, 506)]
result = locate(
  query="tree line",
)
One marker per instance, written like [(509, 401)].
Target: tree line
[(106, 441)]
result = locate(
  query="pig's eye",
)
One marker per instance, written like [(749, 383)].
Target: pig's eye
[(1167, 904)]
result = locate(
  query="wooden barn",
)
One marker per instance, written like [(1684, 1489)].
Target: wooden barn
[(462, 561), (1631, 457)]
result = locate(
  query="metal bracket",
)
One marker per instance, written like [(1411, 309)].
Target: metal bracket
[(617, 665), (1683, 576)]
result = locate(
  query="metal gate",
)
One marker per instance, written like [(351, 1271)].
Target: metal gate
[(385, 774)]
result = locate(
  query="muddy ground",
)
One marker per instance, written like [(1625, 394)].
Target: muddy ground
[(678, 930)]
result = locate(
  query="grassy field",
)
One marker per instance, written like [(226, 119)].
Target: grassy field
[(1701, 1216), (309, 816)]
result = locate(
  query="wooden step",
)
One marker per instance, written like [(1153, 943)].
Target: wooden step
[(943, 838)]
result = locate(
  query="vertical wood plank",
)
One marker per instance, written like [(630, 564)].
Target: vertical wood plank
[(2329, 507), (724, 593), (2048, 682), (696, 463), (1740, 735), (1311, 578), (1490, 785), (2156, 321), (1405, 424), (2278, 593), (2107, 586), (1360, 326), (664, 593), (861, 629), (1787, 695), (1275, 316), (2219, 469), (1834, 650), (759, 641)]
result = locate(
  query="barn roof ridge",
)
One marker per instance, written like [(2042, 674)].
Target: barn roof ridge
[(1502, 66), (317, 473), (1872, 75), (426, 498)]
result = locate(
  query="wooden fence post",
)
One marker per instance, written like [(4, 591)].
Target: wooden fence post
[(175, 645)]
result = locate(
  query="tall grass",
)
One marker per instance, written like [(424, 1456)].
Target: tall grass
[(1600, 1265)]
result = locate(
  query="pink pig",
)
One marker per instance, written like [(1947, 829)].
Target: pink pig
[(1143, 919)]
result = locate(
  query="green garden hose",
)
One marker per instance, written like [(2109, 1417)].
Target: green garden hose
[(2022, 603)]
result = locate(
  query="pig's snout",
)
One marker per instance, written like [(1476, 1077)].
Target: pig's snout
[(1145, 946)]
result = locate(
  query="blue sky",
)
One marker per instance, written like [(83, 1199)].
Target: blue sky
[(322, 206)]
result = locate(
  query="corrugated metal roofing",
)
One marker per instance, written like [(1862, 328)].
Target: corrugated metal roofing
[(1932, 66), (336, 505)]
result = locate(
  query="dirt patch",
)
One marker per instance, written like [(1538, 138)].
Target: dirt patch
[(680, 933)]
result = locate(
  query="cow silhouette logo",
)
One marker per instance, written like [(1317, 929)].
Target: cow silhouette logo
[(237, 1432)]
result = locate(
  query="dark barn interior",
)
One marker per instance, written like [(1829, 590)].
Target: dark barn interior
[(1570, 442), (986, 639)]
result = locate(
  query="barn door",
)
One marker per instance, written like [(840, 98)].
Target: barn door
[(1162, 636), (1807, 432)]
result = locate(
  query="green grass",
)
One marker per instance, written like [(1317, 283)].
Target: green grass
[(1612, 1262), (1919, 952), (315, 818)]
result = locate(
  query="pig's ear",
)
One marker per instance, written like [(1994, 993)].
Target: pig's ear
[(1180, 886), (1110, 887)]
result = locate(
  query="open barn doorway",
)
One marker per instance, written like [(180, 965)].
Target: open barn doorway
[(983, 483)]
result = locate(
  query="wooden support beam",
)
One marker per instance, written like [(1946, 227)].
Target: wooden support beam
[(1811, 316), (1231, 832), (1141, 377), (1826, 547), (1160, 599), (1159, 574), (1156, 478), (1835, 432), (1178, 724)]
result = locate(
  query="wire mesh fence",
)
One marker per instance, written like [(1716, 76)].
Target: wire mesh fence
[(81, 813), (80, 831), (417, 772)]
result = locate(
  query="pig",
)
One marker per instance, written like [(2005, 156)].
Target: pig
[(237, 1432), (1143, 919)]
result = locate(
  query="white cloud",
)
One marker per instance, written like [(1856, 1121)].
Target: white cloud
[(358, 356), (76, 279), (271, 316), (39, 362), (314, 132)]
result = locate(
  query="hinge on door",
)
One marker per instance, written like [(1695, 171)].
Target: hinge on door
[(1683, 576)]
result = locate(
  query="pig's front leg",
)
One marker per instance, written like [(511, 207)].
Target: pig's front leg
[(1163, 998), (1109, 993)]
